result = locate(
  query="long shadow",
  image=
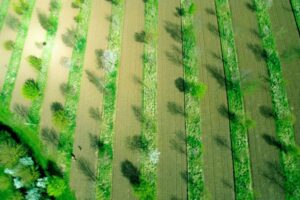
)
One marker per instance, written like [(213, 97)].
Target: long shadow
[(210, 11), (175, 56), (255, 33), (213, 29), (178, 143), (222, 142), (137, 143), (131, 172), (227, 184), (85, 167), (266, 111), (98, 82), (174, 31), (138, 113), (181, 85), (258, 51), (217, 74), (250, 6), (95, 114), (22, 112), (95, 142), (271, 140), (50, 136), (176, 109), (224, 111), (274, 174), (99, 54)]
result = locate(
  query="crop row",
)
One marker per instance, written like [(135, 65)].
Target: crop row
[(238, 121), (104, 179), (283, 115)]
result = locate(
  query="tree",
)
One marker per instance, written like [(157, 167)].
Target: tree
[(35, 62), (21, 7), (31, 89), (56, 186)]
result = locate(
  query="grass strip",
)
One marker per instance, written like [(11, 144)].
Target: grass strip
[(15, 59), (236, 112), (296, 8), (4, 7), (192, 104), (147, 189), (34, 110), (104, 179), (281, 108), (74, 81)]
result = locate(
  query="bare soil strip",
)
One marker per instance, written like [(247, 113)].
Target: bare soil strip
[(218, 170), (172, 168), (36, 34), (264, 156), (6, 34), (129, 98), (58, 68), (87, 128), (287, 39)]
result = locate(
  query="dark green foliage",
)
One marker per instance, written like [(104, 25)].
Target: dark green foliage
[(35, 62), (21, 7), (59, 116), (9, 45), (131, 172), (138, 142), (30, 89)]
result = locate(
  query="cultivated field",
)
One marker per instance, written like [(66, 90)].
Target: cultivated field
[(149, 99)]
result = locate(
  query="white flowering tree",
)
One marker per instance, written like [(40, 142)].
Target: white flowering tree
[(109, 59)]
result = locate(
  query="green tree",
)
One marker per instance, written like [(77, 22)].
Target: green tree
[(56, 186), (31, 89)]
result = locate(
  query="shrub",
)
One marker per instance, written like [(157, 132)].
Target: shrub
[(59, 116), (77, 3), (21, 7), (48, 23), (9, 45), (56, 186), (35, 62), (31, 89)]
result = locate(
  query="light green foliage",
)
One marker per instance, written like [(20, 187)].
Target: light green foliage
[(59, 116), (30, 89), (9, 45), (21, 6), (35, 62), (10, 153), (55, 186), (77, 3)]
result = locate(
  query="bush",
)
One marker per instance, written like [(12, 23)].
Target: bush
[(59, 116), (56, 186), (77, 3), (21, 7), (35, 62), (31, 89), (9, 45)]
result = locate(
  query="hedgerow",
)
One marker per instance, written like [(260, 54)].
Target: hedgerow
[(296, 8), (283, 116)]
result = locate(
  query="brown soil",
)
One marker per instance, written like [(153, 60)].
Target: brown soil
[(287, 38), (172, 167), (264, 156), (218, 170), (128, 97), (36, 34), (58, 73), (5, 35), (87, 128)]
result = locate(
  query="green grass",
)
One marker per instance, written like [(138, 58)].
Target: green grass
[(283, 116), (3, 12), (147, 189), (34, 110), (14, 62), (296, 8), (192, 106), (238, 120), (104, 179)]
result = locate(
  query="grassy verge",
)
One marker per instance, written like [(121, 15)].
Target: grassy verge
[(147, 189), (283, 115), (14, 62), (238, 121), (104, 179), (74, 81), (4, 7), (296, 8), (34, 110), (192, 104)]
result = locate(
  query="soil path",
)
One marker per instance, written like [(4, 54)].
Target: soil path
[(58, 72), (87, 128), (172, 167), (6, 34), (128, 98), (218, 170), (36, 34), (264, 157), (287, 39)]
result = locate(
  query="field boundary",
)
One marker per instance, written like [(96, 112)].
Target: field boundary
[(296, 10)]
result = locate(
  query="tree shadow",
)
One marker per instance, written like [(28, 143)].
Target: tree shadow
[(98, 82), (175, 56), (222, 142), (174, 197), (95, 114), (176, 109), (217, 74), (179, 142), (210, 11), (181, 85), (184, 175), (274, 174), (227, 184), (50, 136), (85, 167), (250, 6), (213, 29), (224, 111), (95, 142), (271, 140), (140, 37), (138, 113), (131, 172), (22, 112), (174, 31), (258, 51), (137, 143), (266, 111), (255, 33), (138, 80), (99, 54)]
